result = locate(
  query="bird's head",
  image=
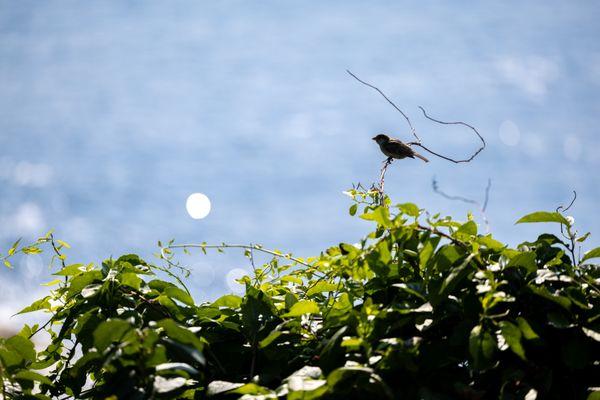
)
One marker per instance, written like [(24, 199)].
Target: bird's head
[(381, 138)]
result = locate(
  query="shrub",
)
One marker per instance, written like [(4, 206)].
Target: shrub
[(423, 307)]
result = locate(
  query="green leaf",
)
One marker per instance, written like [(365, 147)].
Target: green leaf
[(41, 304), (303, 307), (409, 209), (526, 330), (35, 250), (70, 270), (270, 338), (179, 294), (33, 376), (218, 387), (512, 334), (481, 347), (320, 287), (64, 244), (525, 260), (108, 332), (180, 333), (349, 379), (131, 279), (23, 346), (13, 248), (468, 228), (381, 215), (253, 389), (404, 287), (291, 278), (177, 366), (490, 243), (353, 209), (543, 216), (594, 253), (595, 395), (560, 300), (456, 275), (79, 282), (90, 290), (229, 301)]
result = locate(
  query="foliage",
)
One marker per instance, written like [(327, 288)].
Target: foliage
[(423, 307)]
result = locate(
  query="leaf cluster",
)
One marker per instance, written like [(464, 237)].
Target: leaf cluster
[(423, 307)]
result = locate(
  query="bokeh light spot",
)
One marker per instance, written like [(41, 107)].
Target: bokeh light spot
[(509, 133), (572, 148), (198, 205), (230, 280)]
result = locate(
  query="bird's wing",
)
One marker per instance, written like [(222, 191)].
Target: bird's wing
[(397, 147)]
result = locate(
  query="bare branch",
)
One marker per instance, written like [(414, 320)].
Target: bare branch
[(414, 132), (487, 194), (482, 208)]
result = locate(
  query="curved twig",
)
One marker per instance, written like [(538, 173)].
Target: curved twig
[(414, 132), (562, 208), (481, 207), (453, 123)]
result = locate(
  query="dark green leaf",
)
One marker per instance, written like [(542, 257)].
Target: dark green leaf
[(512, 334), (110, 331)]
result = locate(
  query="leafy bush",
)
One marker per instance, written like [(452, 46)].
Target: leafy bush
[(424, 307)]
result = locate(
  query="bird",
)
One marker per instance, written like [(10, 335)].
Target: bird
[(394, 148)]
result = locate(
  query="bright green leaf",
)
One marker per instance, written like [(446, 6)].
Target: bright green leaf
[(594, 253), (543, 216), (320, 287), (303, 307), (179, 294)]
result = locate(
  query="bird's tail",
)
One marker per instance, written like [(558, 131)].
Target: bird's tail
[(421, 157)]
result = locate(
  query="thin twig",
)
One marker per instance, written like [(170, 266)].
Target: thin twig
[(562, 208), (58, 254), (570, 235), (235, 246), (452, 123), (414, 132), (481, 207), (386, 164), (436, 231), (487, 194)]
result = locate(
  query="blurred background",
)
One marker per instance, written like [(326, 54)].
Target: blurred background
[(113, 113)]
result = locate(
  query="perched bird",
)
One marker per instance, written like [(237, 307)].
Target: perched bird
[(394, 148)]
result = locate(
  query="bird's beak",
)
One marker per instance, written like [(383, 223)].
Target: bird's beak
[(374, 138)]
